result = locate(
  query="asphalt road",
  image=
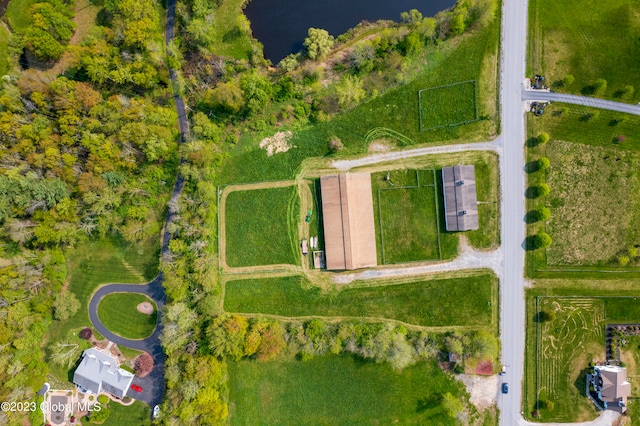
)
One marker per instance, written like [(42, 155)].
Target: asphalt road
[(512, 180), (539, 95)]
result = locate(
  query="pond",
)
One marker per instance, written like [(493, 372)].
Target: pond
[(281, 25)]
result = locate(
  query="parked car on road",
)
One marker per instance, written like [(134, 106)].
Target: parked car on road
[(505, 388)]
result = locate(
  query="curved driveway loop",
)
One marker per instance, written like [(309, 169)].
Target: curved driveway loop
[(152, 385)]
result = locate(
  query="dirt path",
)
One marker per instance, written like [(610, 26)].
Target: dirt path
[(468, 258)]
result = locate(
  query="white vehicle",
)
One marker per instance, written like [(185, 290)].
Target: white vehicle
[(504, 370)]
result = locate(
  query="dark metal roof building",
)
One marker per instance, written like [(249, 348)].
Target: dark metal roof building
[(460, 200)]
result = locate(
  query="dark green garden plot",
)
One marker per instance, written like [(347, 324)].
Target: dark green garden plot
[(406, 213), (462, 301), (261, 227), (449, 105), (341, 390)]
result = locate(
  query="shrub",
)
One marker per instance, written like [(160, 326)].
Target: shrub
[(86, 333), (568, 80), (543, 138), (143, 364), (621, 138), (541, 240), (103, 399), (335, 145), (623, 260), (543, 163), (600, 86)]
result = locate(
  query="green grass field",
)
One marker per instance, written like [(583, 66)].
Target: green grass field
[(18, 14), (406, 216), (138, 413), (473, 57), (588, 39), (4, 59), (340, 390), (229, 40), (468, 300), (93, 263), (260, 227), (559, 351), (449, 105), (118, 313)]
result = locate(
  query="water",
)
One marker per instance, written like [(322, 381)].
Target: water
[(281, 25)]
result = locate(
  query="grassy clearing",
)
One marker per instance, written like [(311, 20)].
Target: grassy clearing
[(260, 226), (592, 195), (449, 105), (588, 39), (18, 14), (93, 263), (473, 57), (406, 216), (558, 351), (436, 303), (339, 390), (138, 413), (119, 314), (229, 40), (4, 42)]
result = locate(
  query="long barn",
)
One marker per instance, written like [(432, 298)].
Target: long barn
[(347, 214), (460, 200)]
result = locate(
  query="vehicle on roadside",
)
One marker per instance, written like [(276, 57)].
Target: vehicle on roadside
[(504, 370), (505, 388)]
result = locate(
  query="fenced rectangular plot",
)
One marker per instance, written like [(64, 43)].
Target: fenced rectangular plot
[(260, 226), (407, 216), (449, 105)]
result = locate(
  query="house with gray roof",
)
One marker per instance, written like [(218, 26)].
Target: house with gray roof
[(611, 385), (99, 372)]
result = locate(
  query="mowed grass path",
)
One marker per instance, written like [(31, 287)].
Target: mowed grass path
[(118, 313), (260, 226), (462, 301), (589, 39), (337, 390)]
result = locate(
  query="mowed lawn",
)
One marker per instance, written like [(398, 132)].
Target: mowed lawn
[(119, 314), (406, 216), (103, 261), (448, 105), (338, 390), (594, 193), (138, 413), (460, 301), (589, 39), (565, 346), (260, 225)]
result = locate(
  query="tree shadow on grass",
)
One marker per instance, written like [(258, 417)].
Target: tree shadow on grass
[(532, 142), (581, 381), (531, 167), (532, 192), (530, 243), (532, 216)]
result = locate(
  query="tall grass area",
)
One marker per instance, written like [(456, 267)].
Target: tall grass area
[(467, 300), (471, 57), (558, 352), (103, 261), (118, 312), (589, 39), (341, 390), (260, 227), (607, 175)]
